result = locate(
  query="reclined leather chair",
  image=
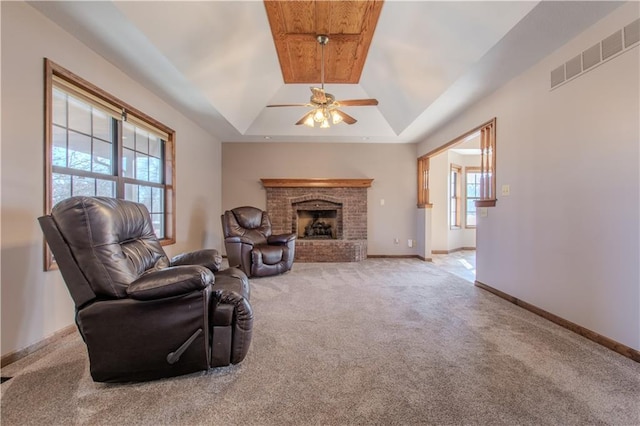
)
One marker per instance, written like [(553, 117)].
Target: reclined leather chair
[(250, 245), (141, 315)]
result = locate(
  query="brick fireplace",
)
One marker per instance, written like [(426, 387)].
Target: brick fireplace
[(329, 216)]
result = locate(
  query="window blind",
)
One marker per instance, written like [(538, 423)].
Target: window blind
[(116, 111)]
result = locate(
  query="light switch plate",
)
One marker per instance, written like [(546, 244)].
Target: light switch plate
[(506, 190), (484, 212)]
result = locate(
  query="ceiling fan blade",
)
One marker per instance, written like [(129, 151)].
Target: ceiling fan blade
[(304, 118), (286, 105), (358, 102), (318, 95), (345, 117)]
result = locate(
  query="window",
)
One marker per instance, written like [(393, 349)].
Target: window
[(141, 163), (472, 194), (455, 198), (97, 145)]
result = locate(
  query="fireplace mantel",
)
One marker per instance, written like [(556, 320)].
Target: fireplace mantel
[(316, 183)]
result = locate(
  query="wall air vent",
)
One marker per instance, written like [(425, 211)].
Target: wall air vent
[(557, 76), (617, 43), (632, 33), (612, 45), (590, 57), (573, 67)]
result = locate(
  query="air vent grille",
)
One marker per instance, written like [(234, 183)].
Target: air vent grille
[(632, 33), (573, 67), (608, 48), (590, 57), (557, 76), (612, 45)]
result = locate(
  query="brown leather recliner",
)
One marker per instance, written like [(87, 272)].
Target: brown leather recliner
[(141, 315), (251, 246)]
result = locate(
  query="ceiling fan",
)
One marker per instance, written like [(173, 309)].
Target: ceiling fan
[(325, 106)]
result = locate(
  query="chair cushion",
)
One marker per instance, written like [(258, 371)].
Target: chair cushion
[(270, 260), (249, 217), (248, 222), (209, 258), (169, 282), (270, 255)]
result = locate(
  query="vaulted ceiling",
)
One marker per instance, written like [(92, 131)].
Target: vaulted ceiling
[(217, 61)]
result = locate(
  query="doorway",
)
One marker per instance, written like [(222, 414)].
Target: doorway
[(454, 177), (456, 182)]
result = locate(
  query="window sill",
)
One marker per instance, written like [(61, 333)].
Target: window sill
[(486, 203), (167, 241), (425, 206)]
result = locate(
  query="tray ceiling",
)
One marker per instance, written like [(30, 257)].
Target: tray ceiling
[(219, 64)]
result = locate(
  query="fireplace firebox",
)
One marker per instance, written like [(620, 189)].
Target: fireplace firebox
[(317, 224), (317, 219)]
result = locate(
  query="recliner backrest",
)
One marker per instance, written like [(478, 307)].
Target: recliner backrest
[(75, 280), (112, 241), (249, 222)]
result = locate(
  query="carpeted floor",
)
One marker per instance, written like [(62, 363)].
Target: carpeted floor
[(379, 342)]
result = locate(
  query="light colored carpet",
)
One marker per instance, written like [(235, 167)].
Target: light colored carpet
[(379, 342)]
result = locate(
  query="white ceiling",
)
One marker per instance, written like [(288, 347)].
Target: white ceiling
[(215, 61)]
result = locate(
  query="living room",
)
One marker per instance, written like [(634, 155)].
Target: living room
[(565, 239)]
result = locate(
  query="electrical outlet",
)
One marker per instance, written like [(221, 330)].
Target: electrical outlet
[(382, 201), (484, 212), (410, 243), (396, 241)]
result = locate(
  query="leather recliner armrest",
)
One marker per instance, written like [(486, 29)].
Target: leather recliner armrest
[(243, 240), (209, 258), (168, 282), (281, 238)]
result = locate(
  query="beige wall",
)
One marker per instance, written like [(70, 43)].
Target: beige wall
[(35, 304), (438, 197), (392, 166), (567, 239)]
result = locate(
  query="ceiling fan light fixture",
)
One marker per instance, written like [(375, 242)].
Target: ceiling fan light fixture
[(319, 115), (335, 117), (325, 106), (309, 121)]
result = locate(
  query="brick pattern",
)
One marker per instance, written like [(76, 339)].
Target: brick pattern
[(351, 204), (330, 250)]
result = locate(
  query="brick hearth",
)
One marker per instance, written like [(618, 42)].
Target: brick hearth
[(351, 194)]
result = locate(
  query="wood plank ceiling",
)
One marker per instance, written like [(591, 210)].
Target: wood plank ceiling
[(296, 24)]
